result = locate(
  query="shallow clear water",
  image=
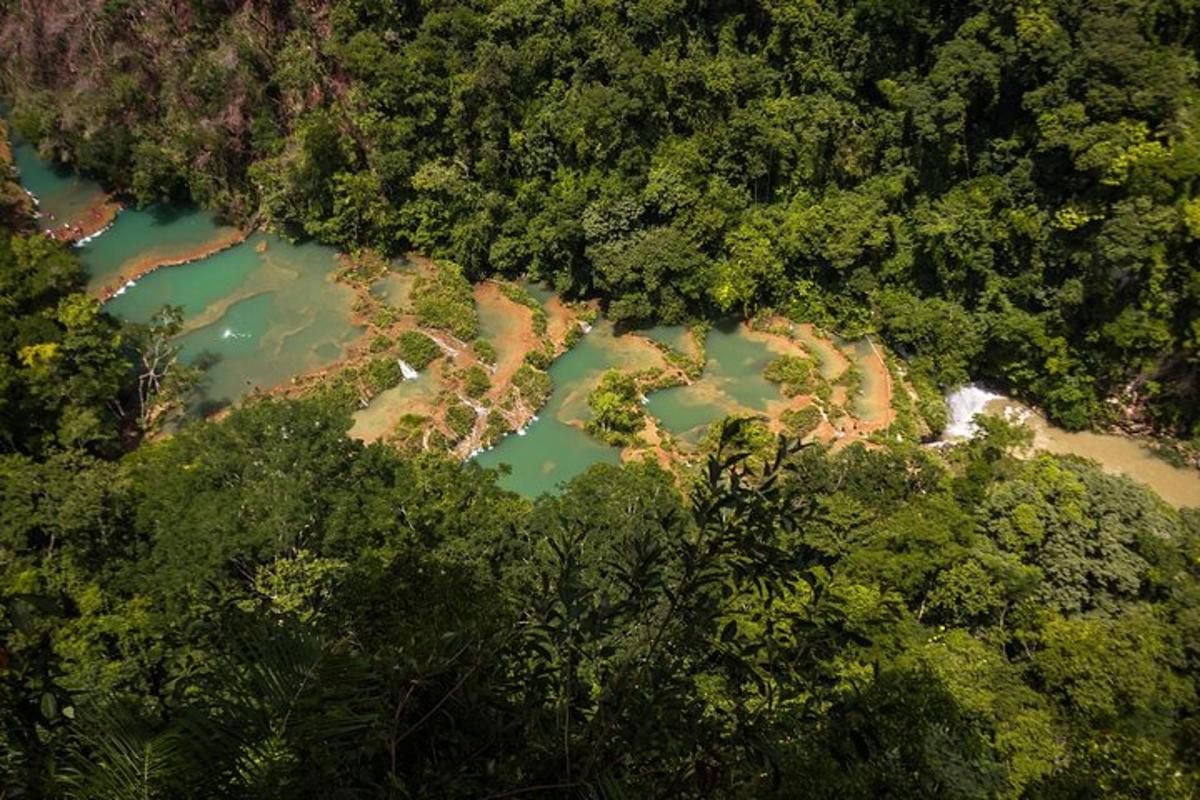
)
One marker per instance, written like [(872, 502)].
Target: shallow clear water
[(255, 318), (553, 450), (675, 337), (386, 408), (732, 383), (395, 287), (500, 320), (141, 237), (256, 314), (541, 291), (873, 399), (63, 196), (832, 361)]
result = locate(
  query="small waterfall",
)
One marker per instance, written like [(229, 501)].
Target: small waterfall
[(84, 241), (406, 370), (964, 403), (480, 409)]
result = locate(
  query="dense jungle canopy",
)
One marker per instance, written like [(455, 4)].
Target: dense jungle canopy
[(1004, 189), (264, 607)]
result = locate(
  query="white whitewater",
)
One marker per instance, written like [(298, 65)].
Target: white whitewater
[(964, 403), (406, 370), (86, 240)]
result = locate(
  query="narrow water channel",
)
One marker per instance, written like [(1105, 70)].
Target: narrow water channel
[(63, 196), (1119, 455), (142, 238), (554, 448)]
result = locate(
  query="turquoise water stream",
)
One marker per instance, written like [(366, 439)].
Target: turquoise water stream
[(265, 310), (256, 314), (161, 233)]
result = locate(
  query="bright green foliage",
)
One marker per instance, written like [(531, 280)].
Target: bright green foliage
[(1004, 190), (541, 357), (476, 382), (444, 300), (942, 338), (519, 294), (266, 585), (801, 421), (416, 349), (616, 408), (794, 374), (495, 427), (484, 350), (62, 362), (534, 385), (264, 607), (460, 418), (382, 373)]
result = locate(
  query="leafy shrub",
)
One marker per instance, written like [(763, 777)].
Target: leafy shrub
[(445, 301), (801, 421), (541, 357), (533, 384), (519, 294), (476, 381), (931, 405), (417, 349), (460, 418), (484, 350), (616, 406), (382, 373), (408, 434), (794, 374), (494, 428)]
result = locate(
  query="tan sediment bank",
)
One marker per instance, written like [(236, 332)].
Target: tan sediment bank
[(1116, 453), (514, 341), (144, 265), (845, 417), (442, 382), (95, 219)]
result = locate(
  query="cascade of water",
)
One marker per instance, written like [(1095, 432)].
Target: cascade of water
[(406, 370), (86, 240), (964, 403)]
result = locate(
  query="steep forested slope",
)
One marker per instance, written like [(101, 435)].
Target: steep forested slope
[(1004, 189), (264, 607)]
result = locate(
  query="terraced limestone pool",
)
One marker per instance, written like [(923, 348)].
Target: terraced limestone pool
[(265, 310), (732, 383), (63, 196), (140, 239), (255, 314), (385, 410), (554, 448)]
